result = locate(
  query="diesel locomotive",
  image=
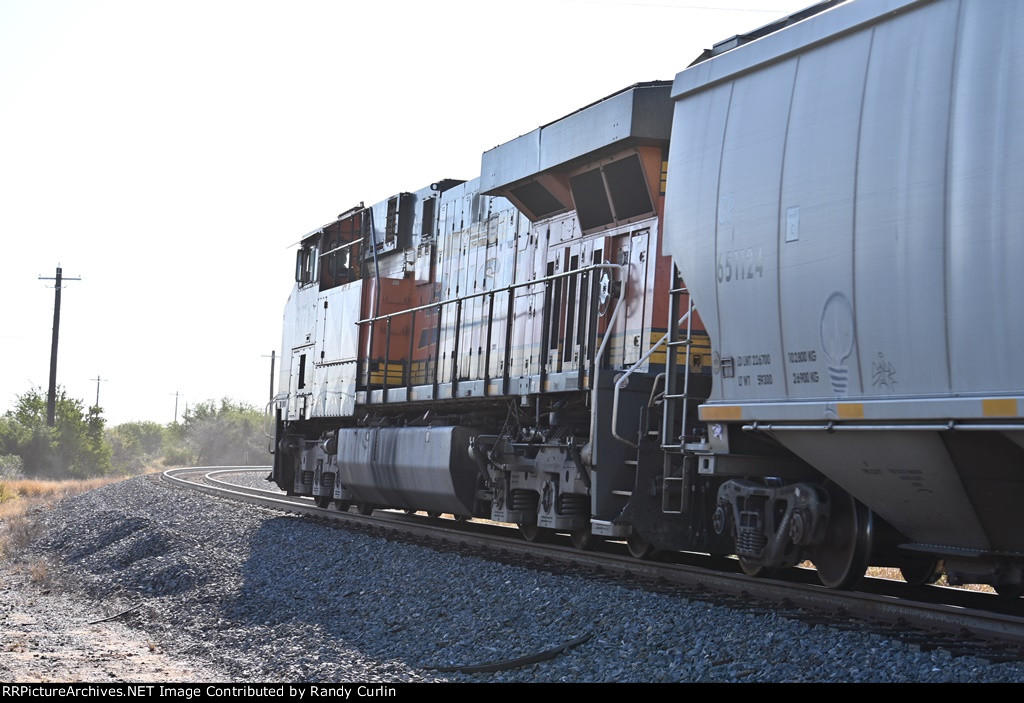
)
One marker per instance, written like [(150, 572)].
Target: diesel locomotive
[(764, 310)]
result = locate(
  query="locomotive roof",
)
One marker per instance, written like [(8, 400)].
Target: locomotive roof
[(641, 112)]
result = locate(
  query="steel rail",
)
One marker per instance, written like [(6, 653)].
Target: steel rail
[(893, 611)]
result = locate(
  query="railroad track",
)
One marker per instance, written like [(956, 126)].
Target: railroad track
[(931, 617)]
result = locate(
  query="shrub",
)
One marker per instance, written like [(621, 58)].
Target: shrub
[(228, 434), (73, 447)]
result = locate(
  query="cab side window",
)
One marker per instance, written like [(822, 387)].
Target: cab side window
[(307, 264)]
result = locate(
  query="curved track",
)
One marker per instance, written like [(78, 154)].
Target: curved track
[(964, 622)]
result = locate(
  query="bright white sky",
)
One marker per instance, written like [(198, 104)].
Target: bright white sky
[(170, 153)]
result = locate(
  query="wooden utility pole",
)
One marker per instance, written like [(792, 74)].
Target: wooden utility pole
[(51, 395), (273, 355), (97, 379)]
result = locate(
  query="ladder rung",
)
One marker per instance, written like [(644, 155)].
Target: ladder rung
[(674, 368), (630, 462), (622, 493)]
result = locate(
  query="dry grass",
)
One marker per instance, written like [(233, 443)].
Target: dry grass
[(16, 532), (39, 572), (34, 488), (19, 497)]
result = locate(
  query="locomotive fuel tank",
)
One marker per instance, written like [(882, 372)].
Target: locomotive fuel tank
[(417, 468)]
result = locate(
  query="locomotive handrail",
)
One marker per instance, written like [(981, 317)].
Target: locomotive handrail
[(620, 382), (597, 363), (596, 359), (268, 413), (461, 298), (338, 248)]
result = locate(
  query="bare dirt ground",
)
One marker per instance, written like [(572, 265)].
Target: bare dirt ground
[(51, 637)]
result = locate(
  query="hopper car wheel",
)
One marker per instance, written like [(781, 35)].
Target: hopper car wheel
[(721, 562), (1010, 591), (364, 508), (433, 513), (461, 518), (322, 501), (638, 546), (843, 558), (583, 539), (533, 533), (410, 511), (754, 570), (342, 505), (921, 572)]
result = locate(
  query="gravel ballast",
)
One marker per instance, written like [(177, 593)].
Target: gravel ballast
[(242, 594)]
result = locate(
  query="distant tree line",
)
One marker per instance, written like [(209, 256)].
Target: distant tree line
[(80, 445)]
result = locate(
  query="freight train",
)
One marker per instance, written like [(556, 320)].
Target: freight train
[(766, 310)]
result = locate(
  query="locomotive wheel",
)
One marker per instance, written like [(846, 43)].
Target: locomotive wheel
[(638, 546), (583, 539), (843, 559), (364, 508), (532, 533), (322, 501), (921, 572), (342, 505)]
